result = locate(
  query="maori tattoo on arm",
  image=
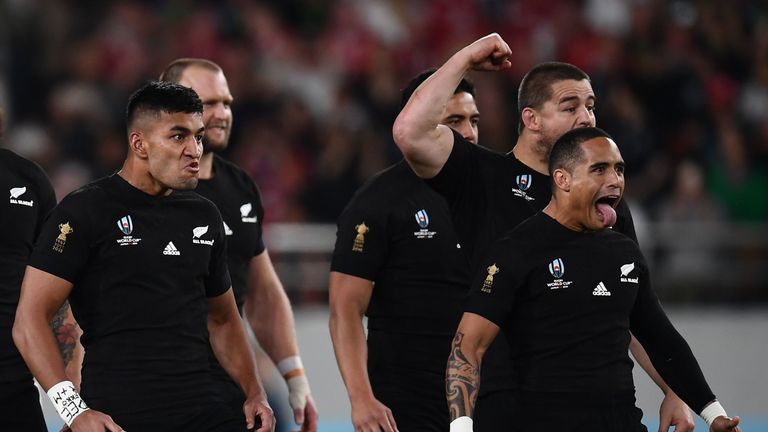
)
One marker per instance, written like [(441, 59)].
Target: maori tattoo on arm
[(462, 381), (65, 331)]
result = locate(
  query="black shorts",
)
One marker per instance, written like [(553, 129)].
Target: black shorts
[(407, 374), (20, 407), (576, 412)]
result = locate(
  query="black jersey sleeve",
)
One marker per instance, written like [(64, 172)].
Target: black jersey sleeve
[(47, 198), (624, 222), (497, 283), (218, 280), (63, 246), (669, 352), (258, 244), (361, 239), (460, 167)]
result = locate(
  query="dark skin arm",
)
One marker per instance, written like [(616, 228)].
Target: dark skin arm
[(462, 374)]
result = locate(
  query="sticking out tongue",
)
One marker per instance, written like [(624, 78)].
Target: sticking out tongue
[(607, 214)]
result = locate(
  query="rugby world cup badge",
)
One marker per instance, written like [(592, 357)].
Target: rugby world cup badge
[(493, 269), (523, 181), (359, 242), (64, 230), (557, 268), (125, 224), (422, 218)]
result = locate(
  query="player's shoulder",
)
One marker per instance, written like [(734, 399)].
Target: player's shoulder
[(618, 240), (229, 169), (91, 191), (388, 185), (22, 165)]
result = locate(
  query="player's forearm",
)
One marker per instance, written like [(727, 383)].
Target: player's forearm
[(269, 314), (638, 352), (462, 379), (233, 353), (351, 351), (416, 127), (66, 331), (35, 341)]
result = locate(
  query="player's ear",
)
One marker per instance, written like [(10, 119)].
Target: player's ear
[(531, 119), (137, 144), (562, 179)]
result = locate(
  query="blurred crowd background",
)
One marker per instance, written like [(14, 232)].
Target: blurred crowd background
[(681, 85)]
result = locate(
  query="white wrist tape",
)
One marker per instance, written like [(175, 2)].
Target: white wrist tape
[(461, 424), (67, 402), (288, 364), (713, 411), (298, 390)]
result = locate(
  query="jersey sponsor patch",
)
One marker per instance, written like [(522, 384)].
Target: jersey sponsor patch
[(359, 243), (557, 269), (199, 232), (125, 224), (493, 269), (170, 249), (18, 192), (601, 291), (61, 240), (245, 211), (625, 270)]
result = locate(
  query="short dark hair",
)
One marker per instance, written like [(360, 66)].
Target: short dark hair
[(567, 151), (536, 85), (176, 68), (465, 86), (160, 96)]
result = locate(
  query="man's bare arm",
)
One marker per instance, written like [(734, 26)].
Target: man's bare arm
[(462, 374), (425, 143), (42, 295), (67, 334), (227, 336), (673, 411), (270, 316), (349, 298)]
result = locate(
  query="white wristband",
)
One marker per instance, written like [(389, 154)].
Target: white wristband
[(67, 402), (288, 364), (713, 411), (461, 424), (298, 390)]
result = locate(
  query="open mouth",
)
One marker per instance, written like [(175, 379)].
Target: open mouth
[(605, 207)]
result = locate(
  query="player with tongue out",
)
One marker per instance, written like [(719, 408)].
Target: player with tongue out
[(552, 284)]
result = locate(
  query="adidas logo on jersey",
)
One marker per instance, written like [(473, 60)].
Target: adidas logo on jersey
[(601, 290), (170, 249)]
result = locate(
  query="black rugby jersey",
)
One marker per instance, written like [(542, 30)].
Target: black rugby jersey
[(489, 194), (567, 300), (397, 232), (142, 267), (239, 202), (29, 197)]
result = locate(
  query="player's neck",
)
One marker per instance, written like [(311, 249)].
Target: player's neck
[(562, 215), (206, 166), (527, 151), (141, 180)]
